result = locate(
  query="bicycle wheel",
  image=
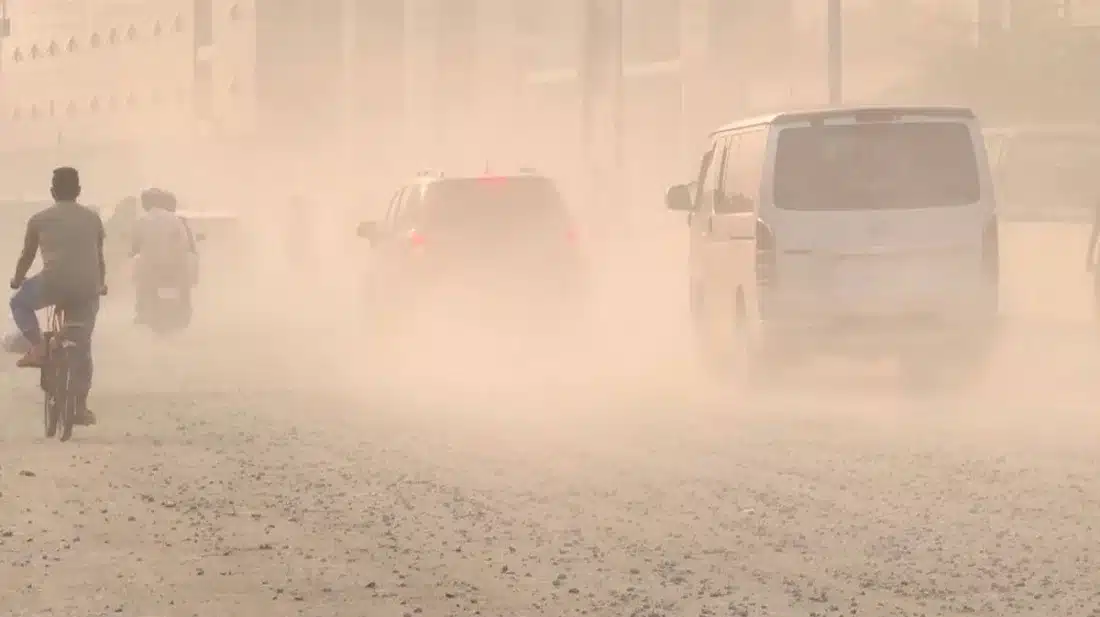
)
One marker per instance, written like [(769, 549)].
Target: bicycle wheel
[(48, 380), (64, 400)]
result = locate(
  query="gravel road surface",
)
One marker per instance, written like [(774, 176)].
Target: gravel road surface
[(239, 471)]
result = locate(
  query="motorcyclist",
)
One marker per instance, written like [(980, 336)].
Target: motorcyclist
[(123, 217), (73, 277), (163, 248)]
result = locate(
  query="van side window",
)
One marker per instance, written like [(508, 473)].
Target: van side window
[(410, 207), (741, 176), (710, 177), (394, 209)]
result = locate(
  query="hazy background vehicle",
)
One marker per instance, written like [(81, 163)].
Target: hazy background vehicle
[(1046, 173), (498, 253)]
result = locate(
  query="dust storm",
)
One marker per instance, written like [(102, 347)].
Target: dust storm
[(286, 455)]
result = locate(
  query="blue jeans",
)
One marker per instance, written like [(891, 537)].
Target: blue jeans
[(34, 296)]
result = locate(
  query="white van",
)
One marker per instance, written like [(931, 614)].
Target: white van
[(863, 231)]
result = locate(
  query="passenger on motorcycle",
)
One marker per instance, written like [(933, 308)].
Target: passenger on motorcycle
[(163, 250)]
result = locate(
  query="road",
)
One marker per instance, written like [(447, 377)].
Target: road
[(250, 468)]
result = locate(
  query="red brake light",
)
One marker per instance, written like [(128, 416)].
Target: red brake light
[(766, 266), (493, 180), (415, 238), (573, 236)]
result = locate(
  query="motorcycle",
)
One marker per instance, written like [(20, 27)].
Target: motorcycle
[(164, 303), (165, 308)]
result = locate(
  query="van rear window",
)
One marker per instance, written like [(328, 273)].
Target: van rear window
[(876, 166)]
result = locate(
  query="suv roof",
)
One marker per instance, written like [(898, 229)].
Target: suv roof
[(432, 177)]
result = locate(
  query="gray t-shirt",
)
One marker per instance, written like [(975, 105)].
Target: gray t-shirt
[(69, 237)]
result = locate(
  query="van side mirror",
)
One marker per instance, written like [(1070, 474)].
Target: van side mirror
[(678, 198), (732, 204), (368, 230)]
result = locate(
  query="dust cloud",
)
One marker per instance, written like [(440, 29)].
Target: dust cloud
[(281, 456)]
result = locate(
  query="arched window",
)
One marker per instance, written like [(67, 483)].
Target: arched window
[(131, 33), (54, 48), (158, 29), (94, 105), (16, 114), (95, 41), (234, 87), (177, 24), (34, 112), (35, 52), (112, 103), (71, 109), (131, 100), (18, 55), (71, 46), (235, 12), (112, 36)]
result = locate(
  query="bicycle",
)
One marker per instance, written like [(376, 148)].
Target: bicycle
[(56, 376)]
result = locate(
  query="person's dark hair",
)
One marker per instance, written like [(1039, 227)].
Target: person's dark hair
[(152, 198), (66, 184)]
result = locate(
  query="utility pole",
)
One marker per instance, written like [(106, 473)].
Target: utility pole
[(836, 52), (602, 105), (349, 61), (5, 32), (588, 75), (618, 110)]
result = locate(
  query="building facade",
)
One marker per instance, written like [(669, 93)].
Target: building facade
[(129, 88), (99, 83)]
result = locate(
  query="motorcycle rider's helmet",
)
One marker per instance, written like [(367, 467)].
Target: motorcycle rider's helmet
[(154, 198), (170, 201)]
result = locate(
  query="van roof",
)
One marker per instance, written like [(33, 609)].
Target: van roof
[(822, 113)]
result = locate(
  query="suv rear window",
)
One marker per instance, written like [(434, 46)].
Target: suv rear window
[(879, 166), (508, 205)]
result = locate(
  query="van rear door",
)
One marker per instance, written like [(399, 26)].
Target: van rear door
[(880, 215)]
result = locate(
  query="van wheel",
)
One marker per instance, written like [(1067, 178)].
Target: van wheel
[(750, 363), (711, 345), (756, 362)]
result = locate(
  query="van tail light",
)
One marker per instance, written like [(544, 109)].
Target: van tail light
[(766, 267), (765, 256), (573, 237), (416, 239)]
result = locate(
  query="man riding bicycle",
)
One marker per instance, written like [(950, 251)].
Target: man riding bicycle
[(70, 238)]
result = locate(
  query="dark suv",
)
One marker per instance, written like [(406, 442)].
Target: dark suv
[(505, 244)]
